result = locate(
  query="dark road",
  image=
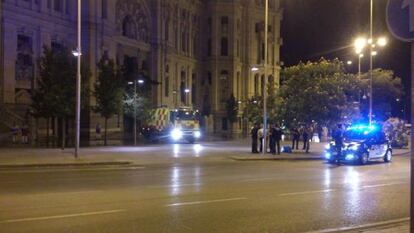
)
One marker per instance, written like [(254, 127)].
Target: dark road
[(203, 195)]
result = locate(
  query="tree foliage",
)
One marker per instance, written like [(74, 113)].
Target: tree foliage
[(108, 91), (386, 89), (232, 109), (317, 91)]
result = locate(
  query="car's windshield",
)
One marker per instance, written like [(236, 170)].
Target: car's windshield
[(186, 115), (357, 135)]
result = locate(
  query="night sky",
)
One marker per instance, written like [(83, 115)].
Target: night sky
[(326, 28)]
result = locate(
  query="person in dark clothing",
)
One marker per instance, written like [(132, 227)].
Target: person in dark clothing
[(295, 138), (254, 134), (277, 136), (305, 136), (338, 136), (272, 144)]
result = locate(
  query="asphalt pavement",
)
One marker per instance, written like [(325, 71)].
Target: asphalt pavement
[(199, 188)]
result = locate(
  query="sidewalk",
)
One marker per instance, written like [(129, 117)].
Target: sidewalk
[(148, 154), (316, 152)]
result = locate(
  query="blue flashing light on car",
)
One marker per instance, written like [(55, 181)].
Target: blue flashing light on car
[(349, 157), (328, 155)]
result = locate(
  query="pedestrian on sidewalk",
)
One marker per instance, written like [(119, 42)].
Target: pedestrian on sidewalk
[(295, 138), (261, 136), (272, 143), (25, 134), (98, 132), (14, 130), (254, 134), (305, 136), (277, 136)]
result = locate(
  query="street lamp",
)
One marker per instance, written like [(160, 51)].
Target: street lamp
[(349, 62), (187, 91), (78, 54), (139, 81)]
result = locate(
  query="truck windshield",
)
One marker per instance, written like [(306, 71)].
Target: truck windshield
[(186, 115)]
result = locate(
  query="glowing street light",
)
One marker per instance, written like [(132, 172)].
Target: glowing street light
[(349, 62), (360, 43), (382, 41), (254, 69), (374, 53)]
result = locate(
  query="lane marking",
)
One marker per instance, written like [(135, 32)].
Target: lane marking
[(205, 202), (61, 216), (362, 226), (307, 192), (46, 170), (382, 185)]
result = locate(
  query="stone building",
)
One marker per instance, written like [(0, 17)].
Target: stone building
[(198, 51)]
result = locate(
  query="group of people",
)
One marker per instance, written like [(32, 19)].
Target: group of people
[(15, 130), (274, 136)]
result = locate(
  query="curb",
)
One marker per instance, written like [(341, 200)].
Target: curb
[(366, 227), (81, 164), (277, 159)]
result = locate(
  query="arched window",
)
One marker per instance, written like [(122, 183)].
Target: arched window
[(128, 28)]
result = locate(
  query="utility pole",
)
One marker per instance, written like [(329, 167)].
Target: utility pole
[(135, 112)]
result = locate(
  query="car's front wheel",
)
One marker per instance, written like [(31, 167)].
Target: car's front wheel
[(388, 156), (363, 159)]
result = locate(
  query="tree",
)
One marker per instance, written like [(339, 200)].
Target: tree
[(253, 110), (317, 91), (55, 94), (232, 109), (386, 89), (108, 91)]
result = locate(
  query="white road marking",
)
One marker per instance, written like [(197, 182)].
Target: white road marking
[(307, 192), (363, 226), (45, 170), (61, 216), (382, 185), (206, 202)]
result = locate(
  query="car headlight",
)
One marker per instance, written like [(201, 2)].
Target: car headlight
[(328, 146), (328, 155), (197, 134), (176, 134), (353, 147)]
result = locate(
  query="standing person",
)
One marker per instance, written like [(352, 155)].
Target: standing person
[(309, 130), (338, 136), (14, 130), (295, 138), (25, 134), (260, 134), (277, 135), (272, 142), (320, 130), (254, 134), (98, 132), (305, 136)]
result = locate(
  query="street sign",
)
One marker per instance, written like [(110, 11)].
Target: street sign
[(400, 19)]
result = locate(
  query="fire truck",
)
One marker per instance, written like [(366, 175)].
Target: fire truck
[(176, 125)]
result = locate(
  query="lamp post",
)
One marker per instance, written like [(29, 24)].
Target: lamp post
[(78, 81), (265, 77), (139, 81), (359, 44)]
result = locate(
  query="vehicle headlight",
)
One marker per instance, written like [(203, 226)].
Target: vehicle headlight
[(328, 146), (197, 134), (176, 134), (353, 147), (327, 155)]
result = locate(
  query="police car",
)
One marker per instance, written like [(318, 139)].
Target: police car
[(361, 143)]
